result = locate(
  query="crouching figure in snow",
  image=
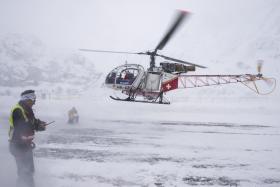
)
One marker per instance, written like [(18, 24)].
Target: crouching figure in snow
[(73, 116)]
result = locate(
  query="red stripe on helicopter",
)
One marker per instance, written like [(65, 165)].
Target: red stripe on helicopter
[(170, 85)]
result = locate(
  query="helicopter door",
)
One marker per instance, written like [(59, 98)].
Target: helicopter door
[(138, 79), (153, 82)]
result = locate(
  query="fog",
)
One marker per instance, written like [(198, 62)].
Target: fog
[(213, 136), (139, 25)]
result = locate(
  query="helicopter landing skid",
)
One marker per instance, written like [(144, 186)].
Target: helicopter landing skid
[(138, 101)]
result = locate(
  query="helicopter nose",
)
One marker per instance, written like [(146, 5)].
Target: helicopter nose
[(110, 79)]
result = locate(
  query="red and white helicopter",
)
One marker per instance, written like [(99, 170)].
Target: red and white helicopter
[(150, 85)]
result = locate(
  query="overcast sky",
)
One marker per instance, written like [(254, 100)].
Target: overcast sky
[(137, 25), (86, 22)]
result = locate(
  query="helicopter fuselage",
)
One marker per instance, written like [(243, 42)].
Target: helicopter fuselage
[(133, 78)]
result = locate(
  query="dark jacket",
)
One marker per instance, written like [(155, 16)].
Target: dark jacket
[(23, 128)]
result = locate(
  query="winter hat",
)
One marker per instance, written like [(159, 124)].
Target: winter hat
[(28, 95)]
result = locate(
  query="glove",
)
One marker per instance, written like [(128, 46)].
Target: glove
[(27, 139), (42, 126)]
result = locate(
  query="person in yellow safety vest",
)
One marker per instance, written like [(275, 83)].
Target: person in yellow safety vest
[(23, 125)]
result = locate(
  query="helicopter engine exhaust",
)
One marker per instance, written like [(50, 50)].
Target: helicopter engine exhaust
[(176, 67)]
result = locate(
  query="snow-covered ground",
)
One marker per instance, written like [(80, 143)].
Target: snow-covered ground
[(202, 142)]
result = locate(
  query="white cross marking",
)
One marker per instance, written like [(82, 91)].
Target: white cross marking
[(168, 86)]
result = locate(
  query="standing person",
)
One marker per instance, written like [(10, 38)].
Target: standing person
[(23, 125)]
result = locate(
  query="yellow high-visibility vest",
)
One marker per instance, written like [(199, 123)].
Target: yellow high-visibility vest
[(11, 120)]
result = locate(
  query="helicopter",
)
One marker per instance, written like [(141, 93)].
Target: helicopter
[(152, 84)]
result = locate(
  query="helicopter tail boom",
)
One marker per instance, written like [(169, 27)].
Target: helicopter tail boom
[(249, 80)]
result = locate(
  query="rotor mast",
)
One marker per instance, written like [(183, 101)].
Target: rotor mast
[(153, 59)]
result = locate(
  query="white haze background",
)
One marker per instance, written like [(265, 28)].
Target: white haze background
[(225, 133)]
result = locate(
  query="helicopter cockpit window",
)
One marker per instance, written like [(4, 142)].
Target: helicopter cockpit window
[(110, 79), (127, 76)]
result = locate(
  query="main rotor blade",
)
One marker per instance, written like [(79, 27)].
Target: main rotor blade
[(102, 51), (180, 61), (180, 17)]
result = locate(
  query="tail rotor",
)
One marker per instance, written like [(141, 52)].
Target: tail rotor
[(269, 82)]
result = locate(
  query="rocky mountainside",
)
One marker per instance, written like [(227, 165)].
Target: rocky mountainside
[(26, 61)]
